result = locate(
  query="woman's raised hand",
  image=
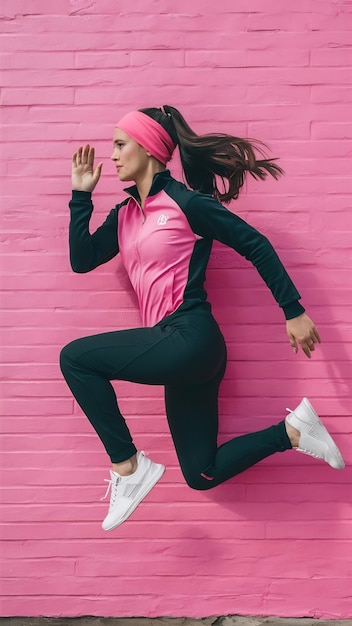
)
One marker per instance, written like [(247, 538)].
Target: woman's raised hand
[(84, 177)]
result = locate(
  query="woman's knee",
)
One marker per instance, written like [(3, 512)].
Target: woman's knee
[(198, 480), (68, 355)]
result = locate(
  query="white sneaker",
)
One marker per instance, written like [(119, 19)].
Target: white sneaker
[(128, 491), (315, 439)]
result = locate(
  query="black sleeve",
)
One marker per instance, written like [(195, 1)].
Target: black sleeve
[(210, 219), (88, 251)]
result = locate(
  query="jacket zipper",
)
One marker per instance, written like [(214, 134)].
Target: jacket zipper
[(136, 242)]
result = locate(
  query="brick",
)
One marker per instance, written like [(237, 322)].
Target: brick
[(279, 94), (34, 60), (158, 58), (327, 93), (216, 58), (106, 59), (332, 130), (286, 58), (48, 567), (270, 130), (313, 167), (35, 96), (69, 114), (331, 57), (14, 8), (276, 21), (331, 148), (40, 78), (49, 407)]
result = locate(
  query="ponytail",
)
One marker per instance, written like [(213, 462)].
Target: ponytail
[(206, 157)]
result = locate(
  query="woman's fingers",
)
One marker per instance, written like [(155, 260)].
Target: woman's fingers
[(91, 158), (316, 336), (77, 157), (312, 340), (84, 156), (97, 173), (88, 156)]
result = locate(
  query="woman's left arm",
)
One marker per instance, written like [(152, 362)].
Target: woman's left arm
[(208, 218)]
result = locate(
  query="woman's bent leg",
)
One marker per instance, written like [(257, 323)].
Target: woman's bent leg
[(95, 395), (140, 355), (144, 355)]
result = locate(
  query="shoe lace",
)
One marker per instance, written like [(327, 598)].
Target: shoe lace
[(111, 484)]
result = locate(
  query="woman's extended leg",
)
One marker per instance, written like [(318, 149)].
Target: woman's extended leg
[(192, 413)]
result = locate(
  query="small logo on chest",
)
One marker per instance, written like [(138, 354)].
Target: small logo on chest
[(162, 219)]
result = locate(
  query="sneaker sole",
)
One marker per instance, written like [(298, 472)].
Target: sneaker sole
[(148, 487), (326, 437)]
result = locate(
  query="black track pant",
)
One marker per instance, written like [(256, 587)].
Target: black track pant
[(186, 353)]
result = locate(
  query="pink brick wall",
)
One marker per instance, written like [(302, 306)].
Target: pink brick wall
[(277, 539)]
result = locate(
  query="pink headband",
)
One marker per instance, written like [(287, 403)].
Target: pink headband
[(149, 134)]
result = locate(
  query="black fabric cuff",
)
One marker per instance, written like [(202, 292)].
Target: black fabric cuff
[(81, 195), (293, 309)]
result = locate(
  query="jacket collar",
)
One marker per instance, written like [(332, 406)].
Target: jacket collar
[(159, 182)]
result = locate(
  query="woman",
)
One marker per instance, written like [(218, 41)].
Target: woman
[(164, 232)]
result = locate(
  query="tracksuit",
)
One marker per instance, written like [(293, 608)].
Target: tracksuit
[(165, 247)]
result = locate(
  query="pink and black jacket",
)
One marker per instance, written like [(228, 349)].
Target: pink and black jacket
[(165, 246)]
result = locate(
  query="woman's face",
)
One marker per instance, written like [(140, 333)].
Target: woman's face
[(131, 160)]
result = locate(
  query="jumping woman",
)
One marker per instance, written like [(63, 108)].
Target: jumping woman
[(164, 231)]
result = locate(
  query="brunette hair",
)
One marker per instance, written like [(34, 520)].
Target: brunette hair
[(206, 157)]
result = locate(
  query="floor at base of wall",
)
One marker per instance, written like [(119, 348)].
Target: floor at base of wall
[(170, 621)]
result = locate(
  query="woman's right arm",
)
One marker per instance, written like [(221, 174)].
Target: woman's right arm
[(88, 251)]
